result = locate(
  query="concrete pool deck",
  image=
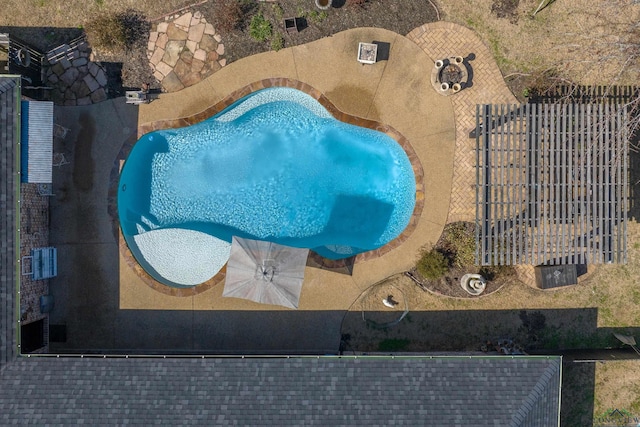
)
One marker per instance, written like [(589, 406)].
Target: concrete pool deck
[(105, 304), (395, 92)]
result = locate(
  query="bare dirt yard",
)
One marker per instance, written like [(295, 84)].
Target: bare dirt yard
[(581, 41)]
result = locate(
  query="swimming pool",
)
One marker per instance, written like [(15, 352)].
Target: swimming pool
[(273, 166)]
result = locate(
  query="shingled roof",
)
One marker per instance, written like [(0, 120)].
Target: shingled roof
[(9, 181), (437, 391)]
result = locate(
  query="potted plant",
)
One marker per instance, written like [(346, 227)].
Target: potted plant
[(323, 4)]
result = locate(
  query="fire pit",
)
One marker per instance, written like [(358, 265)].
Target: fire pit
[(449, 75)]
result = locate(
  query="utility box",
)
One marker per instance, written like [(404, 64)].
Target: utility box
[(556, 276)]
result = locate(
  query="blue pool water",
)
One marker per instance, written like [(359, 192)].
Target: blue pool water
[(274, 166)]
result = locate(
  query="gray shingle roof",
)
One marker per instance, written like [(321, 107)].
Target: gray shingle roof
[(439, 391), (9, 138)]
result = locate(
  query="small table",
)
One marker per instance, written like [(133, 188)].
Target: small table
[(367, 53)]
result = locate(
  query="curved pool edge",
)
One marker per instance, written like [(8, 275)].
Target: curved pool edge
[(315, 259)]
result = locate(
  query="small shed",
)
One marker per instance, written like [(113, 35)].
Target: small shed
[(37, 141)]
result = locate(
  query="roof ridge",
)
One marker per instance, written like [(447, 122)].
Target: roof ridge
[(535, 394)]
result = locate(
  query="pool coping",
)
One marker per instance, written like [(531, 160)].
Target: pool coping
[(314, 259)]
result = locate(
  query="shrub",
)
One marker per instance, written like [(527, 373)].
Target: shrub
[(277, 42), (459, 242), (117, 31), (227, 15), (260, 28), (432, 264)]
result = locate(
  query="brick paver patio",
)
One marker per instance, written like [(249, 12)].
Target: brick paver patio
[(442, 40)]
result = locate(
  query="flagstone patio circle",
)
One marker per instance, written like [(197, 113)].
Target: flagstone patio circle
[(183, 50)]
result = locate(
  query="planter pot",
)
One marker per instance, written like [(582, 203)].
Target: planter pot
[(459, 59), (456, 87), (439, 63), (444, 86), (323, 4)]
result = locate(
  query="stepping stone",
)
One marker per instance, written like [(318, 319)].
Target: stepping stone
[(164, 69), (182, 69), (222, 62), (175, 33), (83, 101), (218, 38), (172, 83), (191, 79), (93, 68), (69, 76), (197, 14), (220, 49), (183, 21), (69, 94), (98, 96), (79, 61), (101, 78), (162, 40), (65, 63), (153, 36), (197, 65), (162, 27), (208, 29), (212, 56), (196, 32), (58, 69), (158, 75), (172, 52), (192, 46), (92, 84), (82, 89), (208, 43), (194, 21), (200, 55), (157, 56)]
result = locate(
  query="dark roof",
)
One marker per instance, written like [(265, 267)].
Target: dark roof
[(9, 140), (438, 391)]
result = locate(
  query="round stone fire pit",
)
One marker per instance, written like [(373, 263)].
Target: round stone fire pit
[(449, 75)]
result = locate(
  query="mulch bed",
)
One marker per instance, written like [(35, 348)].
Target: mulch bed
[(449, 285)]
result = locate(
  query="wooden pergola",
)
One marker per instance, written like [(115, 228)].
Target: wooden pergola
[(551, 184)]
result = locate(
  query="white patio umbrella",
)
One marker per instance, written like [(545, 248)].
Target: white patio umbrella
[(265, 272)]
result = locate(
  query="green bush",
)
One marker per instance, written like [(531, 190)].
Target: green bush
[(260, 29), (432, 264), (459, 241), (277, 42), (117, 32)]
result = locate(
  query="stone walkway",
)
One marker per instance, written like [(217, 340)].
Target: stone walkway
[(74, 79), (445, 39), (183, 50)]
